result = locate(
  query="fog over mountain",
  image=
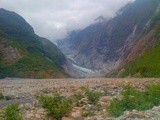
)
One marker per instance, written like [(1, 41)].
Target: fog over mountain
[(54, 18)]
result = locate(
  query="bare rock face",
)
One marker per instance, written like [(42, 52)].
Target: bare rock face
[(10, 54)]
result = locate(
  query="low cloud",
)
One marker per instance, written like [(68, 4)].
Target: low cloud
[(53, 19)]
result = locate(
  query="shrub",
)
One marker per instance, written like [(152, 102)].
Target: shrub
[(79, 96), (1, 96), (116, 108), (7, 97), (76, 99), (92, 96), (4, 97), (12, 112), (56, 105), (153, 93), (135, 99)]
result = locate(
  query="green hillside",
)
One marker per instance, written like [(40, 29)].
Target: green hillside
[(147, 65), (23, 53)]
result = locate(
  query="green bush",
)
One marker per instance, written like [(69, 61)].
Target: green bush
[(12, 112), (76, 99), (56, 105), (135, 99), (7, 97), (1, 96), (78, 96), (144, 66), (92, 96), (116, 108), (153, 93)]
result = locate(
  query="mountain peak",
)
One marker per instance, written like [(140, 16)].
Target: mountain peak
[(15, 24), (100, 19)]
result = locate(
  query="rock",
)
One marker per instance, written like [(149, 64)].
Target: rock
[(105, 101), (41, 112), (136, 115), (38, 116), (95, 118), (134, 111), (83, 101), (35, 103), (77, 112), (66, 118), (132, 115), (79, 118), (28, 106), (29, 115), (21, 106), (16, 97), (90, 118), (87, 107), (155, 108)]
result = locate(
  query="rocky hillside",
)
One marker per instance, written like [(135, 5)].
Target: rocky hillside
[(104, 46), (23, 53)]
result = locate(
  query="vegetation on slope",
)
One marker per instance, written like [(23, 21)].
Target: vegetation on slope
[(148, 65), (37, 57)]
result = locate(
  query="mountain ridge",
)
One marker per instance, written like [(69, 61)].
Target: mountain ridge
[(24, 54), (106, 48)]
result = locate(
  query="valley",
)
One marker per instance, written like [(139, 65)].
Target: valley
[(109, 70)]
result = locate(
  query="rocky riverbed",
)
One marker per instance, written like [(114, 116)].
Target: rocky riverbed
[(25, 91)]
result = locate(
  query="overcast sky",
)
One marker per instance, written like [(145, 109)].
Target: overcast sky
[(54, 18)]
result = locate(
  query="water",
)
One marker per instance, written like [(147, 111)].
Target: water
[(5, 103)]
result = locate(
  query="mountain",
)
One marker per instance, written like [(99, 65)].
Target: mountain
[(24, 54), (110, 45), (142, 59)]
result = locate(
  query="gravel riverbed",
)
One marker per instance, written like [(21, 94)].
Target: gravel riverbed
[(25, 90)]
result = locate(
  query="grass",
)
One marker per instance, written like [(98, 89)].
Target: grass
[(147, 65), (56, 106), (135, 99), (12, 112)]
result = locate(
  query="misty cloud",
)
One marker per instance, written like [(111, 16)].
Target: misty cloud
[(54, 18)]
